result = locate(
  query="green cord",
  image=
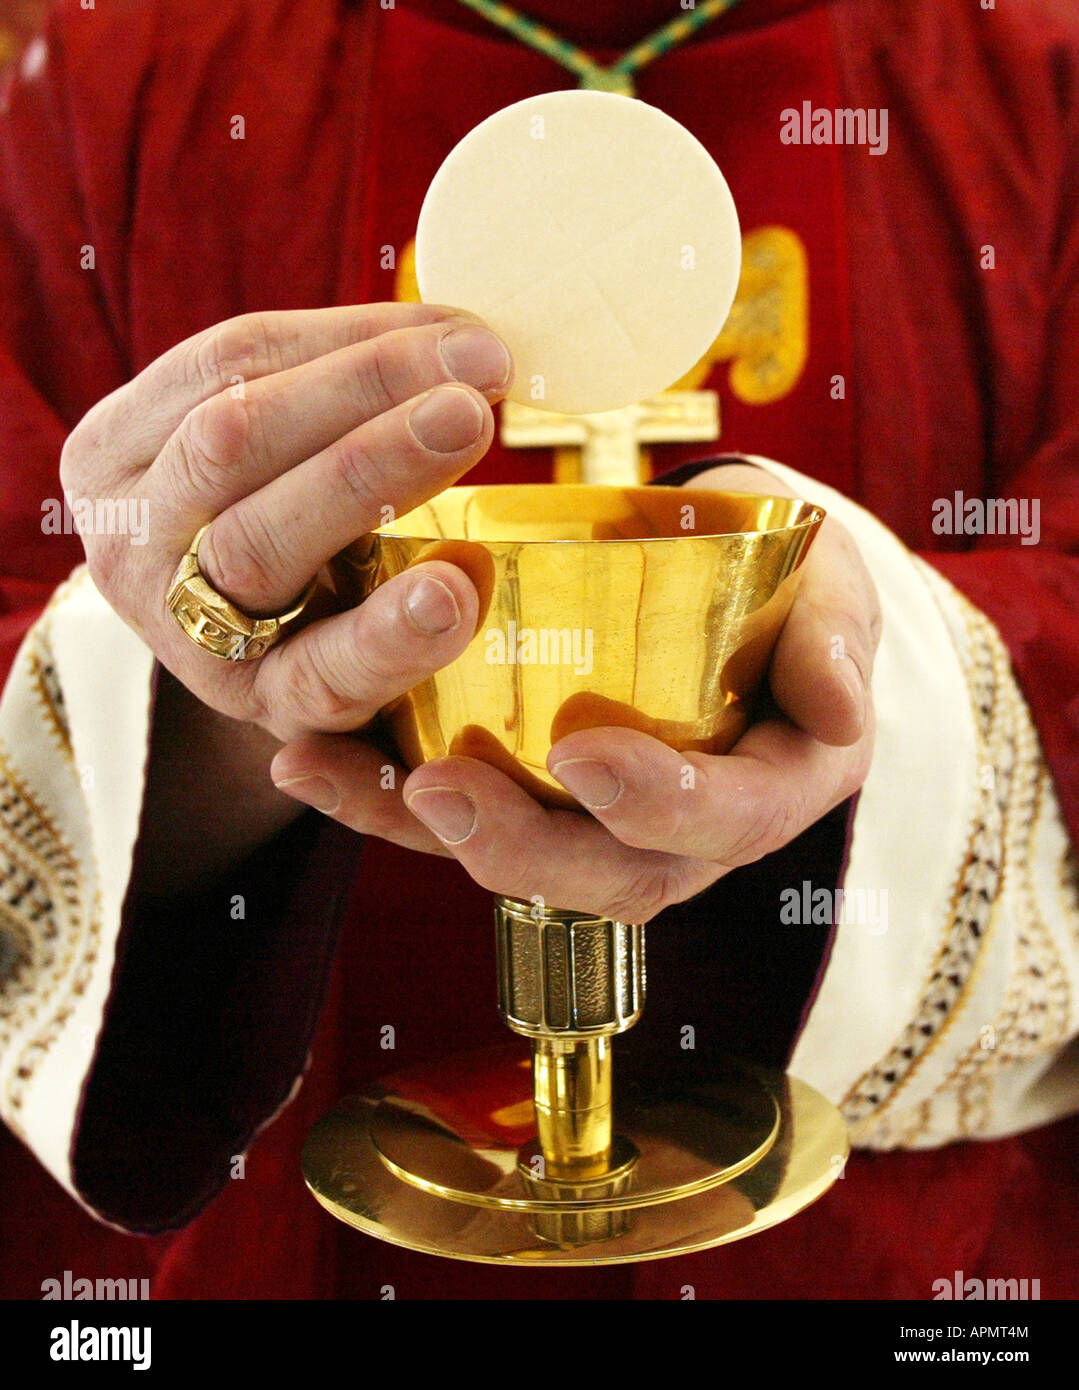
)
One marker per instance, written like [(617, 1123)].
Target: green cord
[(619, 76)]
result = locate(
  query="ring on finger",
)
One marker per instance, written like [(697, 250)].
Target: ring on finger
[(215, 624)]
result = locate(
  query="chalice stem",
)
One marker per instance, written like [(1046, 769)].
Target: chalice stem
[(571, 1089), (569, 981)]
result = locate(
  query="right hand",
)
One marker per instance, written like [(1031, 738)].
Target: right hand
[(342, 412)]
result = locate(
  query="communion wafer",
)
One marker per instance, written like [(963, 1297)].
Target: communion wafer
[(595, 234)]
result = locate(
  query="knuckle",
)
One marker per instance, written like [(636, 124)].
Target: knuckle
[(317, 694), (209, 442), (356, 468), (642, 895), (231, 348), (380, 664), (375, 374)]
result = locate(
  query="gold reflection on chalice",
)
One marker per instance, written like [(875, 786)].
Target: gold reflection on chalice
[(650, 608)]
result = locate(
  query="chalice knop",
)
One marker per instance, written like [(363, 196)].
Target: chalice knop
[(652, 608)]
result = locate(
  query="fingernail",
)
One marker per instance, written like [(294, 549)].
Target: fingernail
[(449, 814), (431, 606), (313, 791), (447, 419), (591, 782), (476, 356)]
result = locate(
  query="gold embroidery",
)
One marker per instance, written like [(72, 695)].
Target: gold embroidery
[(1034, 1016), (42, 917), (51, 930), (1035, 1013), (766, 337), (49, 693)]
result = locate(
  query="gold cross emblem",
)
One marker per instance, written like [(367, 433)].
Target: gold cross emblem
[(609, 443)]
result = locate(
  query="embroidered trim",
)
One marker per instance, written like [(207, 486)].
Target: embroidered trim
[(51, 932), (995, 880), (1035, 1014), (39, 874), (47, 687), (970, 913)]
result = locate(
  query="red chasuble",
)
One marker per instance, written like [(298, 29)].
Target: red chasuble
[(875, 346)]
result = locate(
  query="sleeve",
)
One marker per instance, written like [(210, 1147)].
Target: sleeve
[(142, 1044), (949, 1003)]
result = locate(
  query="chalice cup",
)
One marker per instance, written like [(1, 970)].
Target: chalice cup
[(650, 608)]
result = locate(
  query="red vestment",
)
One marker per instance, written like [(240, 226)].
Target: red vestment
[(957, 377)]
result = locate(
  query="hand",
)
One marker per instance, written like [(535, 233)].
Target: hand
[(340, 413), (648, 842), (288, 432)]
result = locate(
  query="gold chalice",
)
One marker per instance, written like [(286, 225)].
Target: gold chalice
[(647, 607)]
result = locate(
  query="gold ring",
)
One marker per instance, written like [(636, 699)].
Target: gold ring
[(215, 624)]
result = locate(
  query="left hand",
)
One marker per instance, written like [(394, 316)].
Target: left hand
[(648, 841)]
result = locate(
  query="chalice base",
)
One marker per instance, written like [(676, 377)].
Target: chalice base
[(443, 1159)]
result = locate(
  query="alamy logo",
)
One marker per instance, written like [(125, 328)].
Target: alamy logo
[(545, 646), (809, 906), (994, 516), (97, 516), (849, 125), (73, 1288), (78, 1343), (973, 1290)]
